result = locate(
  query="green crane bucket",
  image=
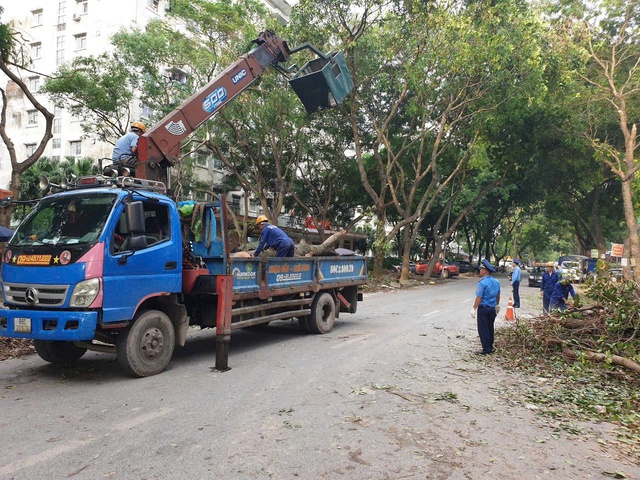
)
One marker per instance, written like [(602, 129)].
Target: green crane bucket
[(322, 83)]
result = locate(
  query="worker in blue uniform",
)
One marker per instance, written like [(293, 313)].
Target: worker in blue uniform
[(560, 296), (486, 306), (516, 276), (273, 237), (549, 280)]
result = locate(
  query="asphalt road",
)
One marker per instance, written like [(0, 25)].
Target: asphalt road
[(393, 392)]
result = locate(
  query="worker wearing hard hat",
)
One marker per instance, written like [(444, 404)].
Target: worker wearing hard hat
[(273, 237), (127, 146)]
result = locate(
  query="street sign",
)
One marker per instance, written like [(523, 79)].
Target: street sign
[(617, 249)]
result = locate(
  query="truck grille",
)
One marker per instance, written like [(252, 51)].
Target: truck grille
[(35, 295)]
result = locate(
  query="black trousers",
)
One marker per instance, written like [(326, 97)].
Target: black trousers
[(516, 294), (486, 317)]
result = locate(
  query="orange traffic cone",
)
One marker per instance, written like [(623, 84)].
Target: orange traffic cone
[(510, 313)]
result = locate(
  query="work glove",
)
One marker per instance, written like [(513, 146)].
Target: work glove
[(497, 309), (473, 313)]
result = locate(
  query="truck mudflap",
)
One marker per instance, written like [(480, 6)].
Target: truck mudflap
[(48, 325)]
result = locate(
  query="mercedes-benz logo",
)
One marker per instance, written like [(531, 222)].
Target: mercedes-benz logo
[(31, 296)]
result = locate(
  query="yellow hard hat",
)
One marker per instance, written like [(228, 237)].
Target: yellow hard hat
[(549, 264), (261, 218), (140, 126)]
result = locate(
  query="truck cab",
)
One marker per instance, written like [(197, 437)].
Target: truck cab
[(75, 272)]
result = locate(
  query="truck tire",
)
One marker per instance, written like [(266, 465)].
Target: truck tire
[(145, 347), (58, 353), (323, 314), (303, 324)]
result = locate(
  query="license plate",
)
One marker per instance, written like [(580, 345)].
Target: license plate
[(22, 325)]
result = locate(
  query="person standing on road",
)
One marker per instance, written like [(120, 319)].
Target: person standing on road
[(560, 295), (548, 283), (486, 306), (516, 276)]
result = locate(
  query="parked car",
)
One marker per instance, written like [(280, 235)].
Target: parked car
[(398, 268), (450, 270), (463, 266), (535, 275), (571, 270)]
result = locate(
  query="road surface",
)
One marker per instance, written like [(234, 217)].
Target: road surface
[(393, 392)]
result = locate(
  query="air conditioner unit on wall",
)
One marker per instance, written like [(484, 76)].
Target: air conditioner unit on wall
[(76, 17)]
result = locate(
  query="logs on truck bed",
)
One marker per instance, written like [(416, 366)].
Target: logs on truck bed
[(303, 249)]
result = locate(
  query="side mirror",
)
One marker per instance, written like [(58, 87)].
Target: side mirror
[(135, 218), (135, 226)]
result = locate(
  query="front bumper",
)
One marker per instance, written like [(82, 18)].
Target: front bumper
[(48, 325)]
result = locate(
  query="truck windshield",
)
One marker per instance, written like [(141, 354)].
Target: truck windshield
[(65, 220)]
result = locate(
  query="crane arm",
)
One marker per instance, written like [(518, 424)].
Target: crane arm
[(159, 147)]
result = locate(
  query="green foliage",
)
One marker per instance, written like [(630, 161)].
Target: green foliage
[(571, 384), (97, 89), (621, 301), (55, 171), (7, 41)]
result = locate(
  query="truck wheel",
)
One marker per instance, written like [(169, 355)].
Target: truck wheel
[(323, 314), (145, 347), (58, 353), (303, 324)]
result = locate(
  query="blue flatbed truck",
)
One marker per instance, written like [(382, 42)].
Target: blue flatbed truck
[(112, 267), (108, 266)]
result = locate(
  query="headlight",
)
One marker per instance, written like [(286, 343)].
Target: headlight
[(85, 293)]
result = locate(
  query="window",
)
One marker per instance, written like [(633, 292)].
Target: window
[(55, 144), (32, 118), (55, 157), (36, 50), (81, 41), (75, 148), (34, 84), (57, 125), (147, 112), (157, 227), (84, 6), (176, 75), (153, 4), (61, 27), (36, 18), (59, 51), (30, 149), (62, 8)]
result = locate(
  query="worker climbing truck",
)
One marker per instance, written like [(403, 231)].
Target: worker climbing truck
[(113, 264)]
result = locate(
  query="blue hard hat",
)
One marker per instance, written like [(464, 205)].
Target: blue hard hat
[(517, 262), (487, 265)]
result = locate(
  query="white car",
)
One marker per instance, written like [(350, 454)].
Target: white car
[(571, 270)]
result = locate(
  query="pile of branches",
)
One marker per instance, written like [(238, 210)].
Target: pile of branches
[(608, 330)]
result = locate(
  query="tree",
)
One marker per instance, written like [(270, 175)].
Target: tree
[(13, 62), (55, 171), (609, 33), (428, 76)]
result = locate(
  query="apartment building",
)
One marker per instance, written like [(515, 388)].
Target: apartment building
[(56, 32)]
